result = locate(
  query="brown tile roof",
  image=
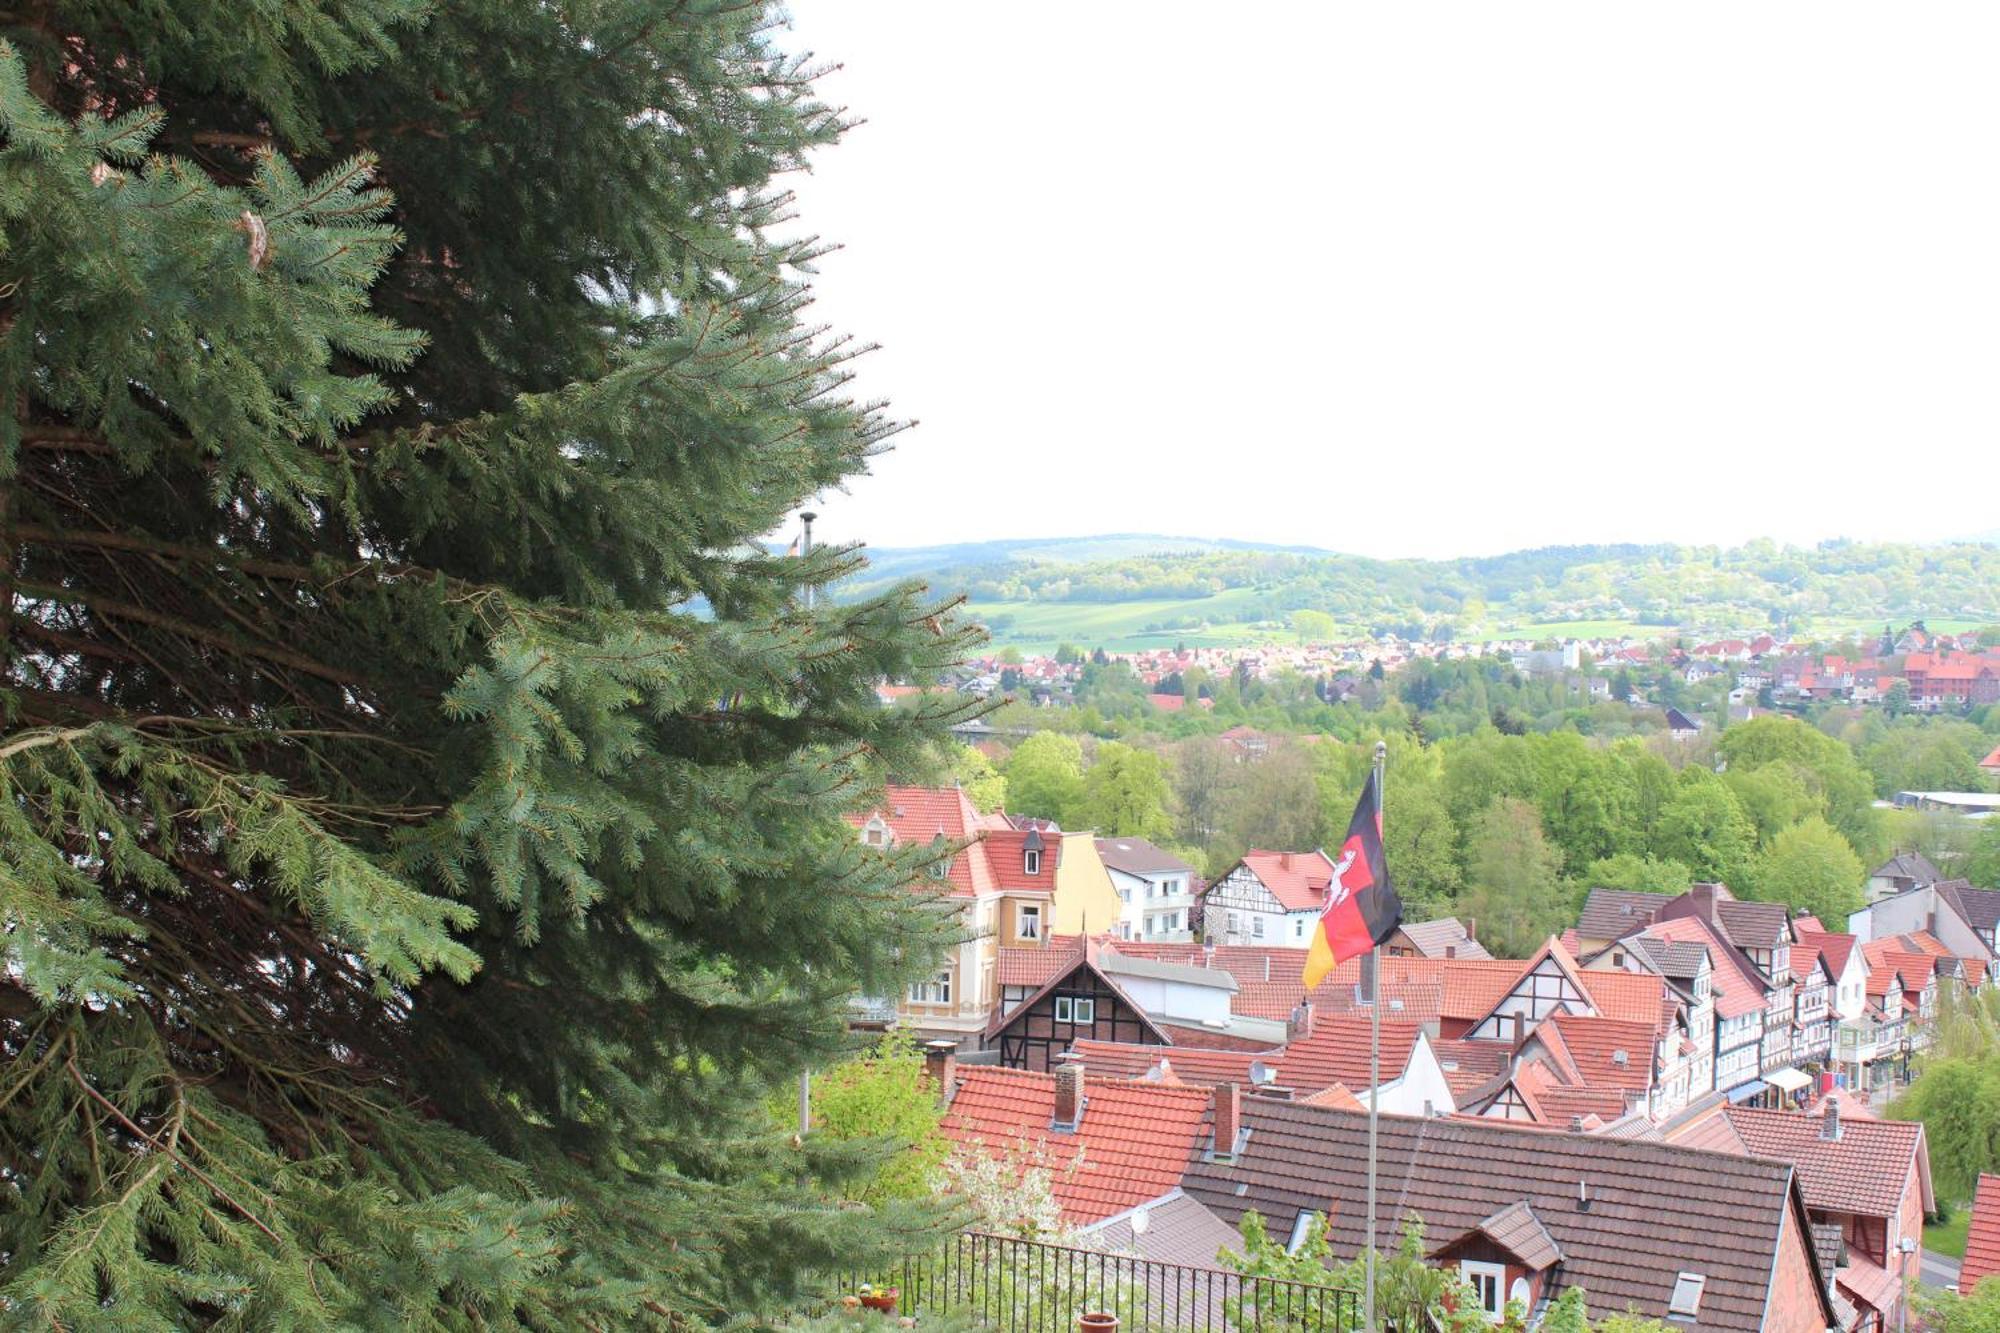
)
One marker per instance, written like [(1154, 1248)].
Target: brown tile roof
[(1863, 1171), (1654, 1210), (1982, 1241), (1518, 1231), (1433, 938), (1137, 856), (1612, 914), (1130, 1146), (1754, 925), (1177, 1230), (1469, 1064), (1979, 907)]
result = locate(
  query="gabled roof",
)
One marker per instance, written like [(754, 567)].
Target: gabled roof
[(1982, 1239), (1739, 987), (1834, 947), (1593, 1046), (1654, 1211), (1298, 880), (1682, 960), (1913, 866), (1612, 914), (1863, 1171), (1031, 965), (1470, 1064), (1130, 1145), (1433, 939), (1175, 1230), (1136, 856), (1552, 1100), (1747, 925), (1519, 1232), (1084, 962), (1979, 907)]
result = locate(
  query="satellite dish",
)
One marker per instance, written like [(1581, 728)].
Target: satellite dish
[(1140, 1220), (1261, 1073)]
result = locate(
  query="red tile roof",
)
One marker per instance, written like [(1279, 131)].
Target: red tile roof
[(1006, 854), (1629, 997), (1131, 1145), (1982, 1241), (1832, 945), (1863, 1171), (1298, 880), (1029, 966), (920, 814), (1593, 1044), (1337, 1052), (1737, 991)]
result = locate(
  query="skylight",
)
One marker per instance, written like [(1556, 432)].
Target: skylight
[(1686, 1301)]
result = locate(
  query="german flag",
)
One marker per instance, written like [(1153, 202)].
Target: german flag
[(1362, 908)]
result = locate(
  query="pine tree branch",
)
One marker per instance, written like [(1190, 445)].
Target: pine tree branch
[(187, 629), (167, 1148)]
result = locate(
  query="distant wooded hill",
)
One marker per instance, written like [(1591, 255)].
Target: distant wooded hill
[(1128, 589)]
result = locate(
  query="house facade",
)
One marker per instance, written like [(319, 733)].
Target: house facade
[(1079, 1004), (1269, 898), (1001, 881), (1156, 890)]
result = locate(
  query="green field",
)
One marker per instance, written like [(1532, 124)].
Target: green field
[(1223, 620), (1228, 619)]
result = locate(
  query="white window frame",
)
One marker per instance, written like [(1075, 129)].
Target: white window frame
[(937, 990), (1301, 1227), (1473, 1271), (1031, 861), (1257, 926), (1084, 1011), (1028, 921)]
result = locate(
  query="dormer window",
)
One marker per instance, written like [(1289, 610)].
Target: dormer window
[(875, 833), (1031, 862)]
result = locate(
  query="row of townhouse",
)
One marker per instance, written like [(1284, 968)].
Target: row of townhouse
[(1153, 1166)]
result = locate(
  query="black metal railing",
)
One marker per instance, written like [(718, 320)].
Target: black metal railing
[(1037, 1287)]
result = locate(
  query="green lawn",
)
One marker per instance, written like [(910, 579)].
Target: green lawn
[(1949, 1237)]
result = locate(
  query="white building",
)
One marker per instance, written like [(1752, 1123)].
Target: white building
[(1156, 889), (1272, 898)]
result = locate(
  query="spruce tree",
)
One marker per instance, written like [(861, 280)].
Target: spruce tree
[(421, 853)]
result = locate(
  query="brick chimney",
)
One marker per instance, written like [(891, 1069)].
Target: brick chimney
[(1069, 1093), (1228, 1120), (1829, 1128), (940, 1061), (1300, 1026)]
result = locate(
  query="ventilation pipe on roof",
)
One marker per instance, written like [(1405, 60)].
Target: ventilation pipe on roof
[(1583, 1196)]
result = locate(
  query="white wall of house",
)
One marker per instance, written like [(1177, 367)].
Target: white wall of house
[(1155, 906), (1168, 998), (1240, 910), (1919, 909), (1850, 988), (1536, 996), (1421, 1090), (1738, 1042)]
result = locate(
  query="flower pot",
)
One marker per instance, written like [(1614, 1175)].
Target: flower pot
[(884, 1301), (1095, 1320)]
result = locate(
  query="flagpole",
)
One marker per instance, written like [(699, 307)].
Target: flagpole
[(1374, 1068)]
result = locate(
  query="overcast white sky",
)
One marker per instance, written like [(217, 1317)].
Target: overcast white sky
[(1418, 279)]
